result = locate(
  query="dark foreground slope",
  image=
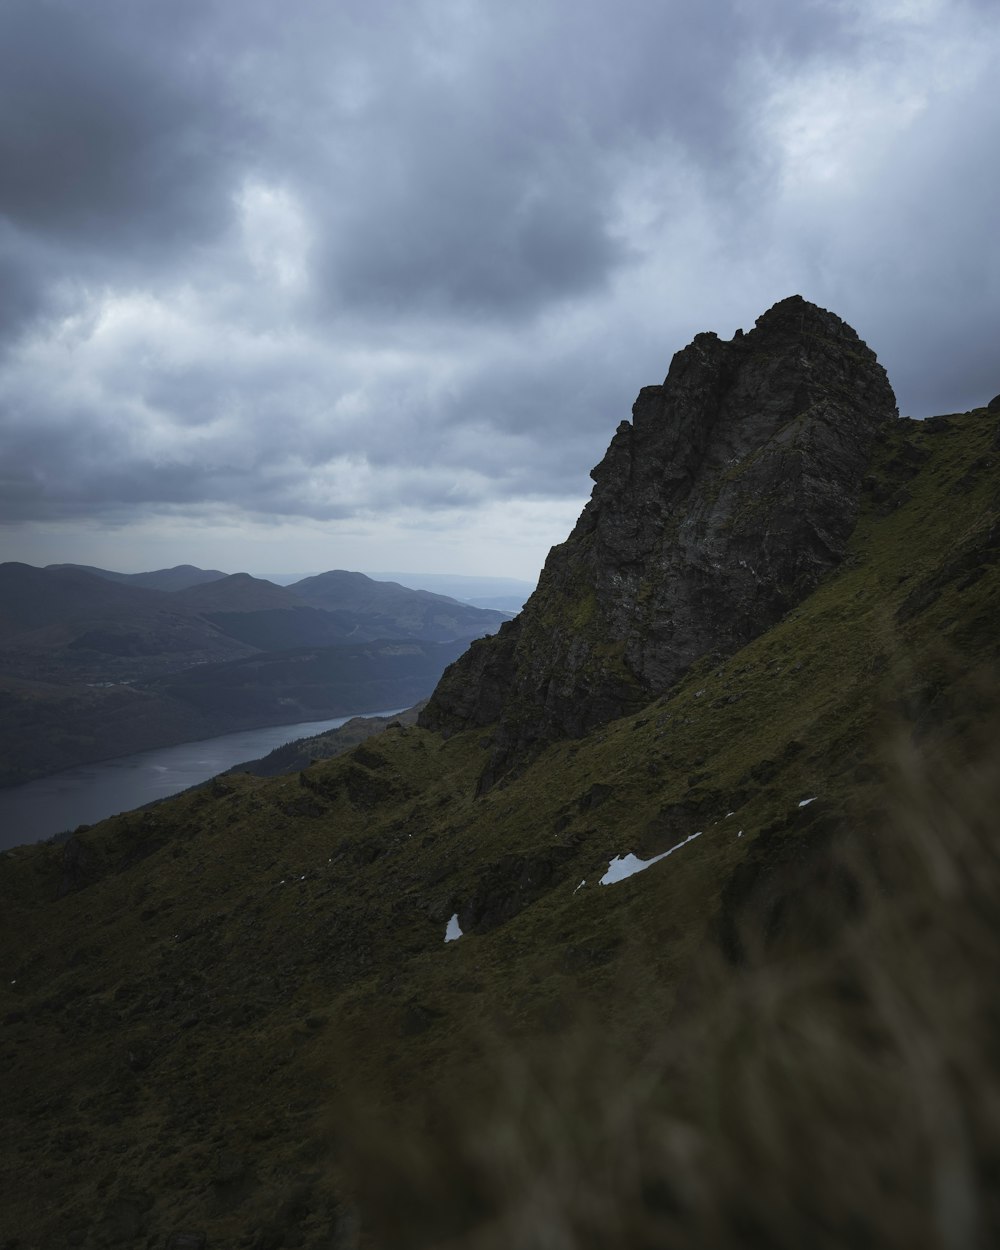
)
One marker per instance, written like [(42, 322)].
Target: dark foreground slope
[(237, 1015)]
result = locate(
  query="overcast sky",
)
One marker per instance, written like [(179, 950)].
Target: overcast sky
[(366, 284)]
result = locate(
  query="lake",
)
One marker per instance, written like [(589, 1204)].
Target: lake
[(84, 795)]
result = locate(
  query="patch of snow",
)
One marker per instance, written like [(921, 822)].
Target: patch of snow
[(623, 866), (453, 932), (806, 802), (740, 834), (728, 814), (581, 885)]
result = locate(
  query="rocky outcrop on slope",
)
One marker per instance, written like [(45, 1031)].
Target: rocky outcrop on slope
[(721, 505)]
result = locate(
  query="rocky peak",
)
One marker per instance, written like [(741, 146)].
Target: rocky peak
[(720, 506)]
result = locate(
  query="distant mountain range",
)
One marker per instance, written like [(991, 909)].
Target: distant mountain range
[(95, 663), (505, 594), (502, 594), (177, 578)]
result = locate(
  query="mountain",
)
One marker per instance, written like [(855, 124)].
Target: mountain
[(74, 650), (269, 617), (47, 599), (505, 594), (311, 683), (92, 666), (94, 625), (722, 504), (236, 592), (394, 611), (718, 970), (45, 728), (333, 607), (180, 577), (71, 625)]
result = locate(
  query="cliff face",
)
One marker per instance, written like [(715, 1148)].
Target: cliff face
[(720, 506)]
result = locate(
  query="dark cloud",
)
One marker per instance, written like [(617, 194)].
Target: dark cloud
[(20, 282), (487, 185), (448, 234), (105, 135), (117, 148), (912, 253), (351, 259)]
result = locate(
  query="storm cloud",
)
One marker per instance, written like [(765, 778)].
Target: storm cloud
[(383, 273)]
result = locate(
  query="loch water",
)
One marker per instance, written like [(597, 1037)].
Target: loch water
[(80, 796)]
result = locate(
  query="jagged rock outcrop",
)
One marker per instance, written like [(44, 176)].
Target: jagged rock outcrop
[(720, 506)]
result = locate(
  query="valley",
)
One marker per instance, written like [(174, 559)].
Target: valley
[(93, 666)]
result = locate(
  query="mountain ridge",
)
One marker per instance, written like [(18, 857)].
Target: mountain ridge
[(238, 1014), (179, 577)]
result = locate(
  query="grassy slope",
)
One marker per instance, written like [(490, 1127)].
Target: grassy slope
[(303, 752), (186, 1034)]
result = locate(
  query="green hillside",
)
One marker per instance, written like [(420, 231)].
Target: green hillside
[(237, 1013), (96, 665)]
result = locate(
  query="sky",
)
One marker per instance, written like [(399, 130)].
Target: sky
[(370, 284)]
